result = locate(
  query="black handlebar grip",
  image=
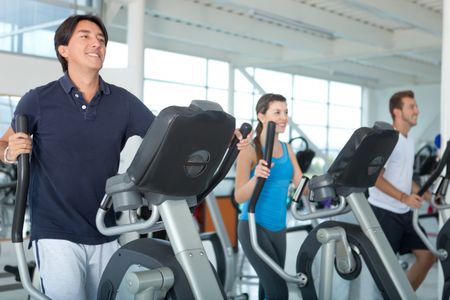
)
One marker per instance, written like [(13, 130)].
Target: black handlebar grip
[(23, 175), (227, 162), (245, 130), (445, 161), (270, 140), (270, 137)]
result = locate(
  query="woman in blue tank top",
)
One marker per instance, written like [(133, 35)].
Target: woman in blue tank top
[(270, 211)]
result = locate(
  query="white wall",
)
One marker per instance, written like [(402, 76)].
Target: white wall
[(428, 99), (20, 73)]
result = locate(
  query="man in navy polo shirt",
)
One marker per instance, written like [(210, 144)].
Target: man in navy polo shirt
[(79, 125)]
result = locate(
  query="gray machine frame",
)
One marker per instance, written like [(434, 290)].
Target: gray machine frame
[(330, 238), (225, 243), (208, 157), (185, 252), (442, 248)]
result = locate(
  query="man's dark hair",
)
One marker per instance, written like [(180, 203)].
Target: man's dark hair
[(66, 29), (396, 100)]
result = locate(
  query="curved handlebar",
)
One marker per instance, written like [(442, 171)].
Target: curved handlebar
[(149, 225), (23, 175), (300, 279), (445, 161), (268, 158), (228, 161)]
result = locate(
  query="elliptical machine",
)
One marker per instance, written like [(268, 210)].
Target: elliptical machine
[(354, 170), (171, 180), (442, 248), (183, 156)]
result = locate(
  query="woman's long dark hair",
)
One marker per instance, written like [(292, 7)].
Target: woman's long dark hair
[(261, 107)]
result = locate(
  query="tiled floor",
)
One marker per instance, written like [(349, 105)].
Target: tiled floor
[(427, 291)]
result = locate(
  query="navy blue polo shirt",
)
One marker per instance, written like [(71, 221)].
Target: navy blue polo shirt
[(76, 148)]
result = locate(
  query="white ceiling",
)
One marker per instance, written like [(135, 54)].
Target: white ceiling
[(377, 43), (372, 42)]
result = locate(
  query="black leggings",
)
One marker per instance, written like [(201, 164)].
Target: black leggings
[(271, 285)]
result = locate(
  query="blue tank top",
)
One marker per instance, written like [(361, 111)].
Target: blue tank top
[(270, 211)]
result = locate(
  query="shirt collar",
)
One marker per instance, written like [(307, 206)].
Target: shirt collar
[(68, 85)]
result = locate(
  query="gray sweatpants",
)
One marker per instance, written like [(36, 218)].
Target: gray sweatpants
[(271, 285), (70, 271)]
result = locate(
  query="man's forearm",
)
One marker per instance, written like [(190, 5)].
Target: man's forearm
[(389, 189)]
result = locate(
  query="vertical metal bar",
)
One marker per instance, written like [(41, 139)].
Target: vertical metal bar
[(189, 251), (372, 229)]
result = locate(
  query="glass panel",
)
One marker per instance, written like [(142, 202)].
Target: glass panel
[(39, 43), (284, 137), (116, 55), (332, 153), (6, 42), (243, 106), (82, 2), (29, 15), (345, 117), (26, 13), (219, 96), (158, 95), (218, 74), (317, 166), (239, 122), (241, 83), (345, 94), (338, 137), (175, 67), (7, 106), (14, 102), (305, 112), (317, 135), (274, 82), (5, 114), (311, 89)]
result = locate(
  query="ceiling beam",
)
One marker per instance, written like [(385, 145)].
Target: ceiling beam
[(32, 28), (320, 72), (357, 69), (242, 25), (406, 66), (160, 43), (405, 12), (406, 41), (76, 7), (202, 37), (431, 56), (341, 26)]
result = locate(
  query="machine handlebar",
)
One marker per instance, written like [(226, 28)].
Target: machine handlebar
[(23, 175), (268, 158)]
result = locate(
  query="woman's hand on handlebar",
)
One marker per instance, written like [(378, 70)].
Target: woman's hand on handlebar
[(243, 143), (261, 169)]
